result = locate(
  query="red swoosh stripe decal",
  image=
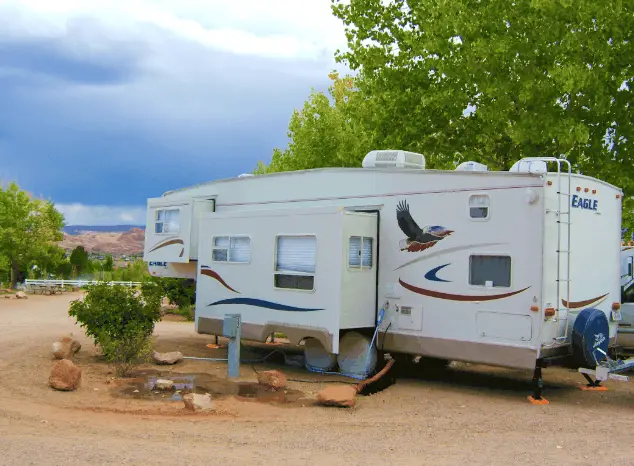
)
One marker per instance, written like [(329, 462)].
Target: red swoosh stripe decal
[(579, 304), (457, 297), (167, 243), (215, 276)]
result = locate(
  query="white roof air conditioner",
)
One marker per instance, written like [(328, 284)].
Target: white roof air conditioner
[(529, 166), (471, 166), (394, 159)]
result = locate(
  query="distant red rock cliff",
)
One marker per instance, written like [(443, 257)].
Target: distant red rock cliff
[(127, 243)]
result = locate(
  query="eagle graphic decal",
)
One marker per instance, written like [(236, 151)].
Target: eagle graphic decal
[(418, 239)]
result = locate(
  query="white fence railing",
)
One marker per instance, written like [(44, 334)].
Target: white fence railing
[(35, 285)]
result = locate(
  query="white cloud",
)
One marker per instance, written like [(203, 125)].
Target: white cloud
[(80, 214), (270, 28)]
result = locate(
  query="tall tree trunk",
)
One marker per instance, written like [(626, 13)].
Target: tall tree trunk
[(14, 274)]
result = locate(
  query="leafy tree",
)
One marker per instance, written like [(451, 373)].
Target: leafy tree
[(543, 77), (28, 228), (108, 264), (325, 133), (79, 260), (5, 268), (51, 261)]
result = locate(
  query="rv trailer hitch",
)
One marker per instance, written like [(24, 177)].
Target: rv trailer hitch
[(607, 369)]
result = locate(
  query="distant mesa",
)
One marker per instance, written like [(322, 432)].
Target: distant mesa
[(117, 240), (79, 229)]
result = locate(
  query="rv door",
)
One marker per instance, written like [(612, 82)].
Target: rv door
[(168, 230)]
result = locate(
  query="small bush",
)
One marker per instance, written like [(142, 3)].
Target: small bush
[(119, 321), (179, 291), (186, 311)]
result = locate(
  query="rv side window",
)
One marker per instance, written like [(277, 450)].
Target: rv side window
[(167, 221), (360, 252), (231, 249), (479, 206), (490, 271), (295, 262)]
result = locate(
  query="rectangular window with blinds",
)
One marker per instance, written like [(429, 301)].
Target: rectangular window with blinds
[(231, 249), (360, 252), (295, 262), (494, 271)]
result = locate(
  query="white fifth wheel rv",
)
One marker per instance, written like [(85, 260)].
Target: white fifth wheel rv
[(512, 269)]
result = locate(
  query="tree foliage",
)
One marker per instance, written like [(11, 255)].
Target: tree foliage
[(545, 76), (540, 77), (80, 260), (325, 133), (28, 228), (108, 264)]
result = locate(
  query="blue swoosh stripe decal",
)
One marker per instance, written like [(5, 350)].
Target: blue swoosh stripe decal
[(431, 275), (262, 303)]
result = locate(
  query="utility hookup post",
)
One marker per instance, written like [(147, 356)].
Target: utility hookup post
[(232, 329)]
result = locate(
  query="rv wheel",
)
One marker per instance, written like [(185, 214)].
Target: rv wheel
[(316, 356), (357, 355), (590, 337)]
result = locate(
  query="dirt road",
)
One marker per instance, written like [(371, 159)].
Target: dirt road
[(472, 415)]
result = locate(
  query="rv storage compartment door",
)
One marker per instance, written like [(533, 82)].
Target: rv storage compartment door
[(168, 230), (358, 277)]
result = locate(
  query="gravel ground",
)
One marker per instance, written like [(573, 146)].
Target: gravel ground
[(471, 415)]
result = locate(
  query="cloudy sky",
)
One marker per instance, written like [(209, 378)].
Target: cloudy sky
[(106, 103)]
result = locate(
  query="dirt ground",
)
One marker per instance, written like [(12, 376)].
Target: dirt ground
[(470, 415)]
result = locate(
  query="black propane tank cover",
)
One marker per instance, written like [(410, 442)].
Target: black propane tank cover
[(590, 332)]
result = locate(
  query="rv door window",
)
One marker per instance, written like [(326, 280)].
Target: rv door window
[(295, 262), (231, 249), (490, 271), (479, 206), (360, 252), (167, 221)]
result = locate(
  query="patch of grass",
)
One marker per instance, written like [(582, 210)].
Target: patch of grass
[(185, 311)]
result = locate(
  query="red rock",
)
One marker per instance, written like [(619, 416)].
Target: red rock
[(272, 379), (65, 376), (66, 348), (198, 402), (342, 396)]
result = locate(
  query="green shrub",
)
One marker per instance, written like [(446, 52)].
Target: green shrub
[(119, 321), (186, 311), (179, 291)]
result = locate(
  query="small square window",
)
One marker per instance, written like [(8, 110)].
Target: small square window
[(479, 206), (492, 271), (231, 249), (360, 252), (167, 221)]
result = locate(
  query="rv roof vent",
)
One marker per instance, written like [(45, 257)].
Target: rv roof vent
[(245, 175), (394, 158), (529, 166), (471, 166)]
